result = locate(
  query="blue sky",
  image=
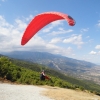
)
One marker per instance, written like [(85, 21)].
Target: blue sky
[(81, 41)]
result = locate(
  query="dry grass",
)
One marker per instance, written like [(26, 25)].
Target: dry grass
[(68, 94), (57, 93)]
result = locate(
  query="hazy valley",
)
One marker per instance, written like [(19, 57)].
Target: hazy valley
[(69, 66)]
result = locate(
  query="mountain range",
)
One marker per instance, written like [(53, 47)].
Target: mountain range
[(77, 68)]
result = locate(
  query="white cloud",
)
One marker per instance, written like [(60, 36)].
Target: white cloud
[(46, 30), (56, 23), (59, 50), (60, 29), (60, 32), (38, 44), (93, 53), (98, 23), (91, 41), (10, 35), (84, 29), (88, 37), (74, 39), (52, 25), (20, 24), (55, 40), (10, 39), (29, 18), (99, 52), (3, 22), (97, 47)]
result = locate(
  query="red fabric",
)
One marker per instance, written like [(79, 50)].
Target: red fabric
[(42, 20), (46, 77)]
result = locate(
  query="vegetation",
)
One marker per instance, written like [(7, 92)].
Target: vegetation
[(29, 73), (22, 75)]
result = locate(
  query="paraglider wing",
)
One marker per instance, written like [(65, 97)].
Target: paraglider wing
[(41, 20), (46, 77)]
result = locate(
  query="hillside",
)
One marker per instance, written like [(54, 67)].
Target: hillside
[(28, 73), (69, 66)]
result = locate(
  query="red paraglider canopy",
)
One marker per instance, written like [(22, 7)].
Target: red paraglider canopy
[(42, 20), (46, 77)]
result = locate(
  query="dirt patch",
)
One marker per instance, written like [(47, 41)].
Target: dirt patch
[(57, 93), (3, 80), (68, 94)]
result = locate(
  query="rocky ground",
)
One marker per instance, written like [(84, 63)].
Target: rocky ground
[(21, 92), (12, 91)]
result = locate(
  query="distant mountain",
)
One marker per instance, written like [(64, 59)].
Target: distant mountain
[(51, 60), (74, 67)]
